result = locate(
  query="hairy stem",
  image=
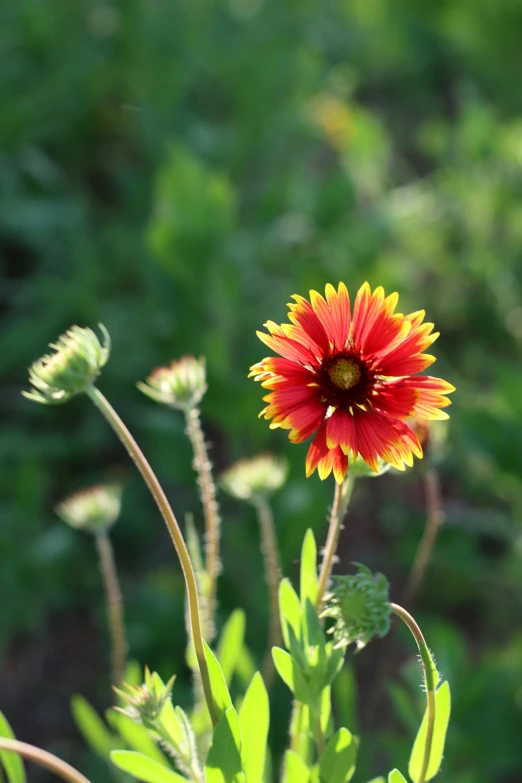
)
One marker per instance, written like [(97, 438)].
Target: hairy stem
[(44, 759), (435, 518), (203, 468), (429, 681), (114, 606), (343, 493), (157, 493), (273, 576)]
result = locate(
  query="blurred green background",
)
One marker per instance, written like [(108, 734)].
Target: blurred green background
[(176, 170)]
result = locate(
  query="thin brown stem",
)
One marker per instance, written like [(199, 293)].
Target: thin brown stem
[(203, 468), (434, 519), (343, 493), (114, 606), (44, 759), (273, 576), (429, 680), (159, 496)]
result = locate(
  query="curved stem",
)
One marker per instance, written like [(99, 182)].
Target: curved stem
[(44, 759), (203, 468), (273, 576), (114, 606), (429, 680), (343, 493), (157, 493), (435, 518)]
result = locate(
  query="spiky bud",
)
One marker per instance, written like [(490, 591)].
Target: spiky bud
[(180, 385), (73, 367), (144, 703), (260, 476), (360, 607), (95, 509)]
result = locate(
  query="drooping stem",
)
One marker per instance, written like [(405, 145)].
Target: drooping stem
[(343, 493), (429, 681), (273, 576), (434, 519), (203, 468), (157, 493), (44, 759), (114, 606)]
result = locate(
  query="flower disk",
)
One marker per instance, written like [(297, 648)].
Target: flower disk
[(350, 378)]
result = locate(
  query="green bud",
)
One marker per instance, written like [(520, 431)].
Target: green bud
[(95, 509), (145, 703), (180, 385), (360, 606), (71, 369), (251, 478), (358, 468)]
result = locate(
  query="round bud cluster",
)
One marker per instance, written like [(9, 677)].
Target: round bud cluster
[(180, 385), (95, 509), (252, 478)]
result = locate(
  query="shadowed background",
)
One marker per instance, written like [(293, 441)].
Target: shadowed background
[(176, 170)]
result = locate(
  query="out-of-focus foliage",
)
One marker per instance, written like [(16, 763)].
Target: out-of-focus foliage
[(176, 170)]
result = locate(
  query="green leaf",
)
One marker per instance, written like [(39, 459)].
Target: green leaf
[(231, 643), (345, 697), (92, 728), (377, 780), (224, 757), (245, 667), (291, 674), (289, 610), (325, 707), (144, 768), (12, 763), (136, 736), (338, 760), (220, 692), (442, 716), (295, 770), (254, 718), (308, 587), (396, 777)]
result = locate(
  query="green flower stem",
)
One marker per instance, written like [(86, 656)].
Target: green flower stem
[(114, 606), (435, 518), (343, 493), (44, 759), (203, 468), (317, 730), (175, 533), (273, 576), (429, 682)]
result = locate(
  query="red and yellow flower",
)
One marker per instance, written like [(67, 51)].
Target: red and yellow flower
[(351, 378)]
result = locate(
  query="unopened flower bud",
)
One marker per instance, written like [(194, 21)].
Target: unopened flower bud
[(359, 468), (180, 385), (360, 606), (73, 367), (145, 703), (252, 478), (95, 509)]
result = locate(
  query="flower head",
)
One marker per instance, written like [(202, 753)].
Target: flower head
[(360, 607), (250, 478), (75, 364), (95, 509), (145, 703), (350, 378), (180, 385)]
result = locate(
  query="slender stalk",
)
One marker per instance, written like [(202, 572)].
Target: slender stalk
[(343, 493), (435, 518), (44, 759), (157, 493), (273, 576), (427, 665), (203, 468), (114, 606)]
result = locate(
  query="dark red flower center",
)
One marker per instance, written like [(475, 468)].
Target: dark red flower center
[(344, 373), (346, 380)]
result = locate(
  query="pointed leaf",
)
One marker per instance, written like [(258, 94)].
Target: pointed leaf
[(308, 586), (224, 757), (442, 716), (396, 777), (231, 643), (136, 736), (291, 674), (144, 768), (254, 718), (12, 762), (92, 728), (289, 609), (338, 760), (296, 770), (220, 692)]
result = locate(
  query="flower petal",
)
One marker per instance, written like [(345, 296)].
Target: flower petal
[(287, 347), (407, 358), (334, 313), (303, 315), (340, 431), (375, 327), (325, 459)]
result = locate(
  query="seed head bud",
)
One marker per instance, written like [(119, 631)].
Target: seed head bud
[(74, 366), (145, 703), (251, 478), (95, 509), (360, 606), (180, 385)]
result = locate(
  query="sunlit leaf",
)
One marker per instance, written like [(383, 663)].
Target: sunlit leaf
[(337, 763), (396, 777), (92, 728), (308, 585), (442, 716), (254, 718), (295, 770), (144, 768), (290, 610), (12, 763), (224, 757), (220, 692), (231, 643), (136, 736)]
